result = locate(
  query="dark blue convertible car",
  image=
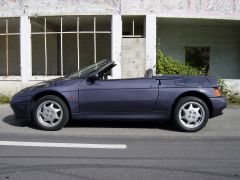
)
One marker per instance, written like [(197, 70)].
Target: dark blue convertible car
[(188, 101)]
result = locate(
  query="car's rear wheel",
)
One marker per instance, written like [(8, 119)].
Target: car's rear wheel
[(50, 113), (190, 114)]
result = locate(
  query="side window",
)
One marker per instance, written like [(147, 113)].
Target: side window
[(133, 26), (198, 57)]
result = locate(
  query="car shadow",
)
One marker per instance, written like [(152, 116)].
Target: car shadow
[(11, 120), (121, 124)]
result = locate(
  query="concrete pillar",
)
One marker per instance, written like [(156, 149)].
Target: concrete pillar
[(151, 37), (116, 44), (25, 49)]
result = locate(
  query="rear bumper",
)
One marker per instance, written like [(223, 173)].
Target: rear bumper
[(218, 104)]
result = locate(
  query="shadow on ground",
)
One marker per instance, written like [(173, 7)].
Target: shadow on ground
[(11, 120)]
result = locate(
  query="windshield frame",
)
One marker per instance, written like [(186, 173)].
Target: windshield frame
[(89, 70)]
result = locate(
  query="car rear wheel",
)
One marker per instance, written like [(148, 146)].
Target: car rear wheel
[(190, 114), (50, 113)]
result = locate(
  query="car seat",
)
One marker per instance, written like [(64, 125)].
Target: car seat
[(148, 73)]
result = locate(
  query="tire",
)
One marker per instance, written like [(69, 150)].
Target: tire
[(190, 114), (50, 113)]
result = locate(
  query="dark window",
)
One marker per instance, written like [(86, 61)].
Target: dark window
[(133, 26), (62, 45), (198, 57), (9, 47)]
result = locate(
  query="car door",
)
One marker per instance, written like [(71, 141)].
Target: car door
[(125, 95)]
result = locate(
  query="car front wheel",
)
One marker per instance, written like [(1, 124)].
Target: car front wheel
[(191, 114), (50, 113)]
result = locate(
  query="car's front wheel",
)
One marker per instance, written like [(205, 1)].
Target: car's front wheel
[(50, 113), (190, 114)]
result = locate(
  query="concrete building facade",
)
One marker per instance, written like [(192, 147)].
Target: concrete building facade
[(42, 39)]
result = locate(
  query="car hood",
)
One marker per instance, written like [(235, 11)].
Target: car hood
[(53, 82), (62, 82)]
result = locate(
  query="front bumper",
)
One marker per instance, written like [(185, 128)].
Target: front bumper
[(218, 104), (21, 107)]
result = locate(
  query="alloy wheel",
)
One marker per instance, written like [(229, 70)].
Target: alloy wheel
[(191, 114), (49, 113)]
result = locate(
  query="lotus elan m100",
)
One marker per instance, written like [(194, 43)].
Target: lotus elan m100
[(188, 101)]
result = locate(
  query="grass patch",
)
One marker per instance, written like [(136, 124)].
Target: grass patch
[(233, 105), (234, 99), (4, 99)]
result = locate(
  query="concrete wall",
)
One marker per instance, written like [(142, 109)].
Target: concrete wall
[(222, 38), (133, 63), (10, 87), (233, 84), (219, 9)]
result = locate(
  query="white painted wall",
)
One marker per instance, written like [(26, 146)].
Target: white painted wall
[(233, 84), (151, 36), (210, 9), (10, 87), (116, 44), (25, 49)]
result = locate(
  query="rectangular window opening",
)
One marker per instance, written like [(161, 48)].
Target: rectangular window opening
[(199, 58), (133, 26), (9, 47), (62, 45)]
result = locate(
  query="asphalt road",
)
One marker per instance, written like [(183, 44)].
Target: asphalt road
[(153, 151)]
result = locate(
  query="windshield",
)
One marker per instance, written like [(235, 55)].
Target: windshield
[(88, 70)]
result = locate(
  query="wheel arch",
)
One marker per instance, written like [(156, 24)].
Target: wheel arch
[(194, 94), (50, 92)]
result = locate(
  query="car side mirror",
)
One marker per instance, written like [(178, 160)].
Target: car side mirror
[(92, 78)]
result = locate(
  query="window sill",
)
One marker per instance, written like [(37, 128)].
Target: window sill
[(42, 78), (133, 36), (10, 78)]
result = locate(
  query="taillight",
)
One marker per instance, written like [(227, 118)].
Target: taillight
[(217, 92)]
